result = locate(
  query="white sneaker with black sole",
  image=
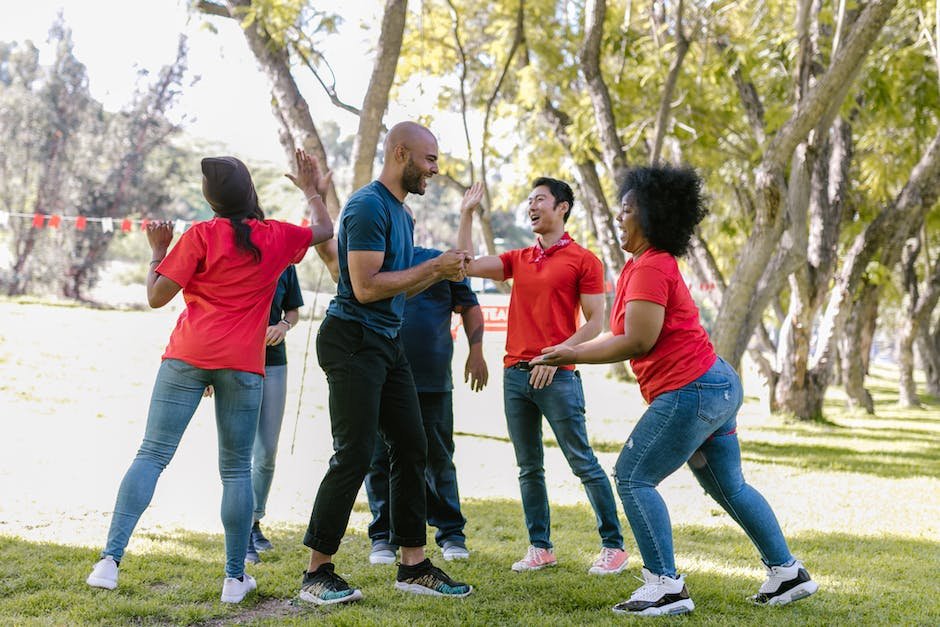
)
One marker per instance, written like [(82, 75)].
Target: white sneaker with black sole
[(785, 584), (104, 574), (234, 590), (658, 596)]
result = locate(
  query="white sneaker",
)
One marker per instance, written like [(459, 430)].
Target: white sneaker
[(104, 574), (455, 551), (233, 590), (382, 556), (785, 584), (659, 595)]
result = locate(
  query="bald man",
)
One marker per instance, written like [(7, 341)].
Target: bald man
[(372, 392)]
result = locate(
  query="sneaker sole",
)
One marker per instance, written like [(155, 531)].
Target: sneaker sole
[(525, 569), (96, 582), (309, 598), (261, 548), (414, 588), (451, 558), (679, 607), (801, 591), (376, 561), (252, 560), (594, 570)]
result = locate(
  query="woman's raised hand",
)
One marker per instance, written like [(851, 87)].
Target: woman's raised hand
[(309, 178)]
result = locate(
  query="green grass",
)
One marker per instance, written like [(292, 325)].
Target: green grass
[(864, 580)]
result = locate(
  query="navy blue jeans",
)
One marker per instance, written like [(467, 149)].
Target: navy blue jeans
[(695, 424), (443, 499), (562, 404)]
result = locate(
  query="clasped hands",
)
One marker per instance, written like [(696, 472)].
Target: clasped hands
[(453, 264)]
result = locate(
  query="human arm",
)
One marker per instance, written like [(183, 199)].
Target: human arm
[(489, 266), (328, 252), (475, 370), (592, 305), (370, 283), (314, 184), (276, 333), (160, 289), (642, 324)]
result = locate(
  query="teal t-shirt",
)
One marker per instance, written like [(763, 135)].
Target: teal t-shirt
[(373, 220)]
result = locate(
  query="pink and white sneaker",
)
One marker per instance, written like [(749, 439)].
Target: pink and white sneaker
[(609, 562), (536, 558)]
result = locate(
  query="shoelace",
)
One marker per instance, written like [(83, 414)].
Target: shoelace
[(607, 555)]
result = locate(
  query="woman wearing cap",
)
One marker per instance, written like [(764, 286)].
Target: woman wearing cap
[(227, 269)]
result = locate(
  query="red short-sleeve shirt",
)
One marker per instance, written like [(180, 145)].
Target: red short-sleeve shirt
[(545, 304), (227, 294), (683, 351)]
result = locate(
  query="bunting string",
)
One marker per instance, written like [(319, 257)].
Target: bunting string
[(106, 224)]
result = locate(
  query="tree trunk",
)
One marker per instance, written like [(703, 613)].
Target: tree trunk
[(744, 301), (907, 331), (376, 99), (292, 110), (855, 347), (929, 348)]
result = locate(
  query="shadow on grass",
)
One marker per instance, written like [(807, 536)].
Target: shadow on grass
[(864, 580), (892, 465)]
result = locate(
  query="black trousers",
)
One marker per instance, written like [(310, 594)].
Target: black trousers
[(372, 395)]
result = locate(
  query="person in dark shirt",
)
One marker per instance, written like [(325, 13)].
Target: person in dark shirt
[(429, 348)]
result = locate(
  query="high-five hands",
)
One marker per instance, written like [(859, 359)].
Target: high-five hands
[(309, 178), (472, 197)]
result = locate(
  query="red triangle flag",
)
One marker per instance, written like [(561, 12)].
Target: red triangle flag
[(81, 222), (38, 220), (143, 224), (126, 225), (55, 221)]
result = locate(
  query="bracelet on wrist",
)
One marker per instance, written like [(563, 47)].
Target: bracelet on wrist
[(313, 197), (287, 322), (153, 261)]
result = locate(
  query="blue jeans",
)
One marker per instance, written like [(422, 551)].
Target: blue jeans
[(562, 404), (694, 424), (264, 453), (176, 394), (443, 499)]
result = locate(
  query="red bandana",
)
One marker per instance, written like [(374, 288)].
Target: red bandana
[(540, 254)]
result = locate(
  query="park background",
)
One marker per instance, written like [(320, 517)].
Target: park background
[(813, 123)]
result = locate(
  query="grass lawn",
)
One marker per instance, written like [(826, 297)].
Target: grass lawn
[(858, 497)]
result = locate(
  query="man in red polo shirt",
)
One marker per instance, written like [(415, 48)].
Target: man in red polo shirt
[(553, 282)]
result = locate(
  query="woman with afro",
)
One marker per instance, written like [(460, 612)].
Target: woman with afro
[(693, 397)]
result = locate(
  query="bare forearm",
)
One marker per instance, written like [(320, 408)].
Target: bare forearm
[(473, 327), (608, 348), (382, 285), (320, 223), (587, 331), (329, 255), (465, 232)]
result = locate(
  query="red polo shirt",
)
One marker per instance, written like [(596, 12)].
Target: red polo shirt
[(227, 294), (683, 351), (545, 304)]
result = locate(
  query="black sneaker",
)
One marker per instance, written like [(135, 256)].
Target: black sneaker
[(251, 555), (325, 587), (426, 578), (785, 584), (659, 595), (261, 543)]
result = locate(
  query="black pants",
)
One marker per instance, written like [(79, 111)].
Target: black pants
[(372, 394)]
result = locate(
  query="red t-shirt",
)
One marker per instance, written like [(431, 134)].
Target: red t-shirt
[(228, 295), (545, 304), (682, 352)]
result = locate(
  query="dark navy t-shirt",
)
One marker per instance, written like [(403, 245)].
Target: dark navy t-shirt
[(373, 220), (425, 332), (287, 296)]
